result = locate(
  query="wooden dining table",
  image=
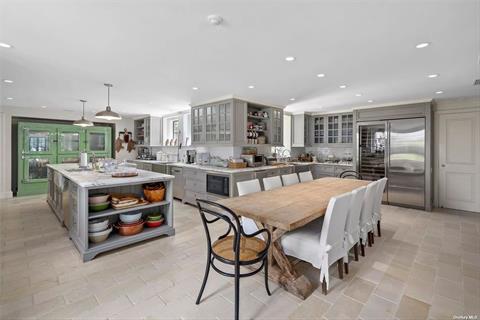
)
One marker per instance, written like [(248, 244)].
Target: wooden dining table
[(286, 209)]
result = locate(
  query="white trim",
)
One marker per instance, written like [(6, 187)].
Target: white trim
[(6, 195)]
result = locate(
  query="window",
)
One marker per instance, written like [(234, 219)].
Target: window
[(175, 128)]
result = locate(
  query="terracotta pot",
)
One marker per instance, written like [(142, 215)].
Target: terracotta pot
[(156, 195), (129, 229)]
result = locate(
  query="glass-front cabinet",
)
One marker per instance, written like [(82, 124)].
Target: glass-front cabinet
[(40, 144), (333, 129), (211, 125), (197, 125), (277, 127), (225, 122)]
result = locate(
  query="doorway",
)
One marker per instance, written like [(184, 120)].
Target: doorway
[(459, 160)]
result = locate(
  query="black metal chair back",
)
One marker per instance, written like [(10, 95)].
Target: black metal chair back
[(350, 174)]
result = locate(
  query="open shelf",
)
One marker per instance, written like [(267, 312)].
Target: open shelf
[(258, 117), (115, 240), (111, 211)]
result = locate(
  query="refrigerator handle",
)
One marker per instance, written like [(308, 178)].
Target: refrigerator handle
[(387, 148)]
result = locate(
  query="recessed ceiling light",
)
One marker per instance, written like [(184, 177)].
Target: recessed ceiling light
[(439, 92), (43, 107), (5, 45), (358, 94), (8, 81), (290, 59), (321, 75), (434, 75), (343, 86), (9, 98), (194, 88), (422, 45), (370, 101), (214, 19), (251, 87), (292, 99)]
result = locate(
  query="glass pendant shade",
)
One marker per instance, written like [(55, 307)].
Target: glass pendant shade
[(83, 122), (108, 114)]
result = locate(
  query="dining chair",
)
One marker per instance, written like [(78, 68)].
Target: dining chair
[(305, 176), (321, 242), (272, 183), (350, 174), (246, 187), (377, 208), (352, 226), (289, 179), (236, 249), (366, 216)]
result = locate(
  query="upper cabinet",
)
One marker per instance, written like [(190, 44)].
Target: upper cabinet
[(148, 131), (301, 130), (332, 129), (235, 122)]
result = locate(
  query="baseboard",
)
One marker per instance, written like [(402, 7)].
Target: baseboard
[(6, 195)]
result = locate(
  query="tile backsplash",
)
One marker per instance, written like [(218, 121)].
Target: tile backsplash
[(323, 152)]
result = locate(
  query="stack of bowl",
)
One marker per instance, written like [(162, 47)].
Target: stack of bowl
[(98, 230), (98, 202), (154, 220), (130, 224)]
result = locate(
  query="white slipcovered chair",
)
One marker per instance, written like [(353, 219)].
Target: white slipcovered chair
[(377, 208), (366, 216), (289, 179), (246, 187), (321, 242), (272, 183), (352, 226), (305, 176)]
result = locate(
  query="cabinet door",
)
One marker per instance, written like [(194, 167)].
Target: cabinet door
[(211, 123), (318, 130), (333, 125), (71, 141), (347, 128), (225, 122), (277, 127), (197, 124), (98, 140)]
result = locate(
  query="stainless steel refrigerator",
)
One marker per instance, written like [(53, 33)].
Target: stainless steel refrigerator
[(394, 149)]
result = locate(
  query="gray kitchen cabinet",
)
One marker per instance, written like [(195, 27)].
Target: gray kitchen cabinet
[(160, 168), (332, 129), (339, 169), (276, 132), (323, 170), (195, 185), (148, 131), (198, 126), (212, 123), (178, 182), (303, 168), (147, 166), (237, 177), (225, 122), (301, 130)]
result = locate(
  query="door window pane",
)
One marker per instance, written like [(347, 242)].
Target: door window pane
[(96, 141), (38, 141), (37, 168), (70, 141)]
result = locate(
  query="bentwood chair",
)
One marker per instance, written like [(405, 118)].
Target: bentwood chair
[(234, 247), (352, 227), (272, 183), (321, 242), (289, 179), (305, 176), (350, 174), (377, 208)]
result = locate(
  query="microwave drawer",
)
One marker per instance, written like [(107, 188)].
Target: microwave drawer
[(195, 185)]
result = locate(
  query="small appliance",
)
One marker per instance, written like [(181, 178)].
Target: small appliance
[(191, 154), (203, 158), (253, 160), (218, 185)]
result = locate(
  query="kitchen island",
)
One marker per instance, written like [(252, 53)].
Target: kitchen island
[(69, 188)]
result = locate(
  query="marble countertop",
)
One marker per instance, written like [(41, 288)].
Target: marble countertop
[(89, 179), (150, 161), (225, 170)]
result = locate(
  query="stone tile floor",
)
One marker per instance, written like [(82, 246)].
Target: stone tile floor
[(425, 265)]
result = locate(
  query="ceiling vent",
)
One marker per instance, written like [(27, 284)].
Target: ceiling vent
[(476, 82)]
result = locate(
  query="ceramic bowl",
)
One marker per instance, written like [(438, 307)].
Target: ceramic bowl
[(155, 217), (100, 236), (130, 217), (99, 206), (129, 229), (154, 224), (98, 225), (98, 198)]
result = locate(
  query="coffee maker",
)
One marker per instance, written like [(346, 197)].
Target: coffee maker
[(191, 154)]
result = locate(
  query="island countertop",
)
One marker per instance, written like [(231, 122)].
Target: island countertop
[(93, 179)]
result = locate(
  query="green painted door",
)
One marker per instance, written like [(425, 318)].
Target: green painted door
[(37, 147), (40, 144)]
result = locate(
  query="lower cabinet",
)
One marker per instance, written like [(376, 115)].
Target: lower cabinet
[(195, 185), (328, 170), (178, 182)]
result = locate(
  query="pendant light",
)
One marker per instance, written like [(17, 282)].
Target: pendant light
[(83, 122), (108, 114)]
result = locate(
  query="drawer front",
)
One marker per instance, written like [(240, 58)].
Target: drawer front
[(147, 166), (286, 170), (195, 185), (191, 197), (340, 169), (175, 171), (325, 169)]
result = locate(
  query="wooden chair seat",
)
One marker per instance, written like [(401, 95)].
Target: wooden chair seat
[(249, 248)]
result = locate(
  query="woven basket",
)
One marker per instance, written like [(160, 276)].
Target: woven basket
[(237, 165)]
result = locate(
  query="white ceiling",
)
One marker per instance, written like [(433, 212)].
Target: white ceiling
[(154, 52)]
